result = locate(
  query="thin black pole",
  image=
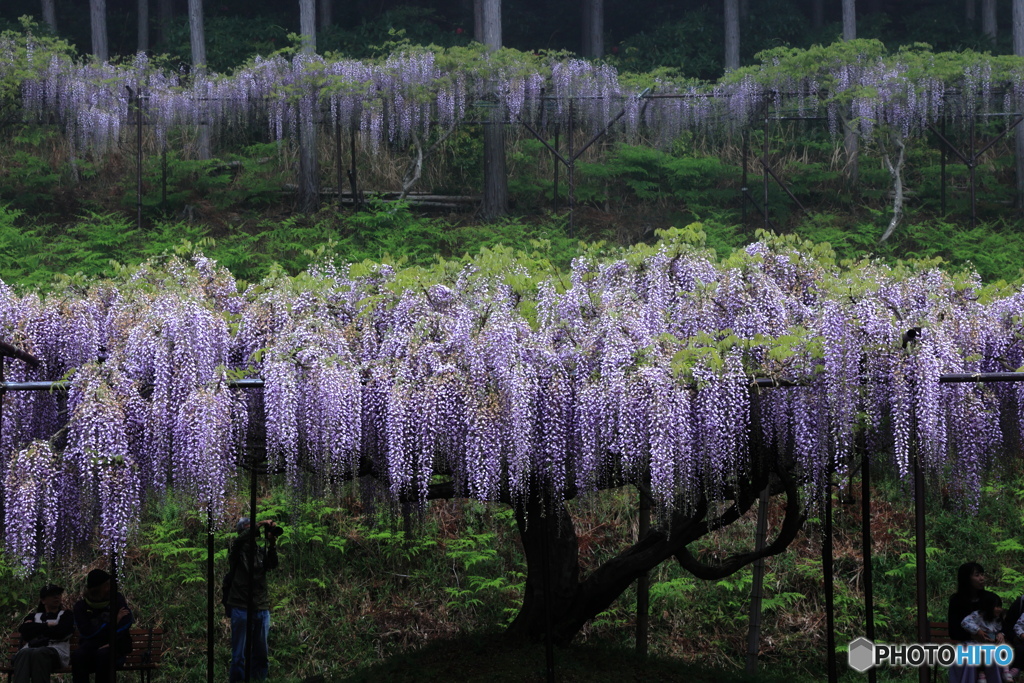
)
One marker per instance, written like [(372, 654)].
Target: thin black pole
[(555, 198), (250, 609), (971, 167), (353, 177), (339, 163), (865, 534), (827, 566), (764, 171), (113, 612), (743, 182), (163, 177), (572, 174), (643, 582), (757, 588), (920, 555), (138, 160), (209, 593), (942, 176), (549, 646)]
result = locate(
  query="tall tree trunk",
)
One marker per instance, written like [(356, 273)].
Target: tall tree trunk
[(309, 172), (817, 13), (849, 20), (50, 14), (593, 29), (969, 12), (165, 15), (325, 14), (197, 37), (495, 203), (98, 19), (478, 20), (143, 14), (732, 35), (988, 19), (1018, 49)]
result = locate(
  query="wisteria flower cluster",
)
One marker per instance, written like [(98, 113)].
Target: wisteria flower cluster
[(499, 382)]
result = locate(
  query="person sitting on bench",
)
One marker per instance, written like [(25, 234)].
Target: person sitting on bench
[(46, 638), (92, 617)]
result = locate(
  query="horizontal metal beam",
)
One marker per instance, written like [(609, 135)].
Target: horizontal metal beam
[(63, 385)]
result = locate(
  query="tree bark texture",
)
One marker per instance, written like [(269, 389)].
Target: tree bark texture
[(495, 203), (478, 21), (307, 25), (569, 603), (988, 19), (817, 13), (849, 20), (969, 12), (98, 19), (1018, 49), (50, 14), (851, 145), (165, 15), (197, 33), (143, 25), (896, 172), (732, 35), (593, 29), (325, 14)]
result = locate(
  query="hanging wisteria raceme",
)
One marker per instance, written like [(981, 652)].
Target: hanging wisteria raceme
[(503, 384), (392, 99)]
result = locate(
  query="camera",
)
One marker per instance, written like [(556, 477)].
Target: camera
[(270, 529)]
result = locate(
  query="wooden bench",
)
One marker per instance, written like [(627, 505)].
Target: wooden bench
[(147, 651)]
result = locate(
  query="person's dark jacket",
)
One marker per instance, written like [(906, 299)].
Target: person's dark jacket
[(959, 607), (93, 623), (36, 634), (242, 580)]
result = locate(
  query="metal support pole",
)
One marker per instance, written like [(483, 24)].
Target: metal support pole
[(920, 555), (113, 615), (757, 588), (339, 162), (865, 534), (827, 566), (572, 175), (138, 160), (942, 192), (743, 182), (353, 177), (971, 167), (250, 609), (209, 593), (764, 174), (549, 645), (555, 197), (163, 177), (643, 582)]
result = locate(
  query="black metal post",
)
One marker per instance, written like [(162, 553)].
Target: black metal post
[(865, 534), (555, 198), (549, 645), (764, 174), (572, 175), (209, 593), (643, 582), (971, 167), (743, 182), (113, 613), (920, 555), (338, 163), (353, 177), (827, 566), (138, 160), (942, 176), (757, 588), (163, 177), (250, 609)]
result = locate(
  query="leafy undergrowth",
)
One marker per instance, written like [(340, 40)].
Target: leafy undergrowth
[(369, 595)]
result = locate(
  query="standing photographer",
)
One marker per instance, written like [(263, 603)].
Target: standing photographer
[(243, 584)]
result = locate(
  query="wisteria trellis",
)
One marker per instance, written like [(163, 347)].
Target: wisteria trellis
[(389, 100), (632, 370)]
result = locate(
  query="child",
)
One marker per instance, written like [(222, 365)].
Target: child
[(985, 626)]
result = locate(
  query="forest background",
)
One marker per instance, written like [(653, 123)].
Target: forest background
[(403, 598)]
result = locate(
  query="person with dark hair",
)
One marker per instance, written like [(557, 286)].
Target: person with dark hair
[(985, 625), (243, 585), (45, 637), (970, 592), (92, 617)]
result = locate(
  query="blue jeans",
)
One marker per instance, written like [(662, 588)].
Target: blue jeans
[(258, 669)]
